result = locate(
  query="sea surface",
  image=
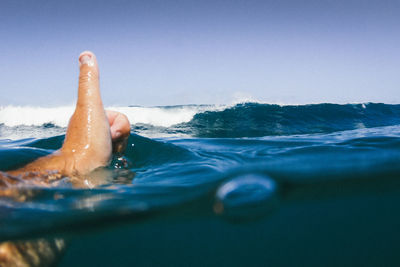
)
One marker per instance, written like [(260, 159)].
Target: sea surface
[(248, 184)]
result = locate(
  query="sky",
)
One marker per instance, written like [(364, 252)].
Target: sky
[(202, 52)]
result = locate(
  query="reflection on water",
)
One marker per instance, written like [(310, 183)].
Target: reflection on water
[(39, 252), (236, 181)]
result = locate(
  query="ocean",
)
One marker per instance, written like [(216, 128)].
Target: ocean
[(249, 184)]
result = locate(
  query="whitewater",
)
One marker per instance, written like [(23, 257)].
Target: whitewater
[(26, 119), (18, 122), (59, 116)]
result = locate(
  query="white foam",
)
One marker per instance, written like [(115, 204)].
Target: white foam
[(59, 116), (35, 116), (163, 116)]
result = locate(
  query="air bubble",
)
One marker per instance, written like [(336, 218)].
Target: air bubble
[(120, 162), (247, 197)]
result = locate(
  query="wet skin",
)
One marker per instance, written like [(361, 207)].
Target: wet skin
[(92, 134)]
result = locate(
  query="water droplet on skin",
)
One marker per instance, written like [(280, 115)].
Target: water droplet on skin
[(247, 197)]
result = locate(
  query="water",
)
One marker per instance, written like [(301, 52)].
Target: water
[(249, 184)]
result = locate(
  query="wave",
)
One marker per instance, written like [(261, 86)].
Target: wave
[(240, 120), (59, 116), (35, 116), (254, 119)]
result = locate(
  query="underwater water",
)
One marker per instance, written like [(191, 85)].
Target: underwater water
[(245, 185)]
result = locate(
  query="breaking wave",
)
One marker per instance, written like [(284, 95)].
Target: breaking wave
[(240, 120)]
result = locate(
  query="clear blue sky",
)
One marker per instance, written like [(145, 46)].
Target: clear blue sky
[(180, 52)]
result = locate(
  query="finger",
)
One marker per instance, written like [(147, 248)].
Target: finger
[(119, 125)]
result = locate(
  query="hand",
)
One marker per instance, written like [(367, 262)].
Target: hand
[(120, 130), (87, 143)]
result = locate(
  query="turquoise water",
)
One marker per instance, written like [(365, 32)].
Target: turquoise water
[(247, 185)]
